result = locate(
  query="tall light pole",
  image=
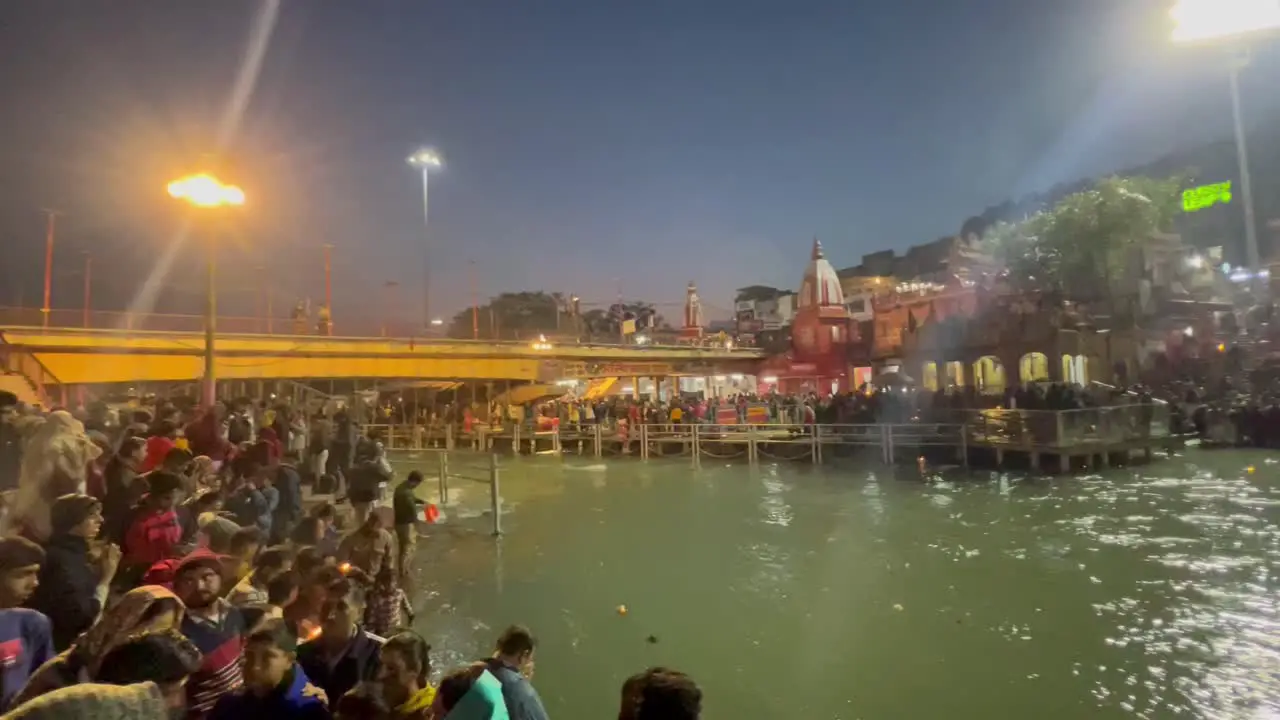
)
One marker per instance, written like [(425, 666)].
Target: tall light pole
[(51, 222), (426, 159), (205, 192), (1200, 21)]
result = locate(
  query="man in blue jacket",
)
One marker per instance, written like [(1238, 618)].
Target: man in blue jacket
[(512, 665)]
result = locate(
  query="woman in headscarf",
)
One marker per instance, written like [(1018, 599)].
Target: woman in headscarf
[(54, 463), (149, 608)]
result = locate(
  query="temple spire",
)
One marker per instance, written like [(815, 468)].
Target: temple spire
[(817, 249)]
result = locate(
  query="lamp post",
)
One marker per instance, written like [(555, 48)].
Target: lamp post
[(1198, 21), (425, 159), (205, 192)]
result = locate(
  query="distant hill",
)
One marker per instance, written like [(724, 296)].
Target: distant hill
[(1212, 163)]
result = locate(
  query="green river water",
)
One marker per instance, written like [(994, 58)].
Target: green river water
[(854, 592)]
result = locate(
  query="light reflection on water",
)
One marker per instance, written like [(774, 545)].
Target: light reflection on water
[(860, 592)]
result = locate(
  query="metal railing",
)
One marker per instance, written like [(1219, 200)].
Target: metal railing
[(1086, 430), (113, 320)]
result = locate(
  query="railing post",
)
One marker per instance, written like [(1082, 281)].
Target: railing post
[(816, 443), (515, 439), (695, 446), (555, 442), (495, 498), (1059, 440), (444, 478), (598, 434), (964, 445), (752, 449), (644, 441)]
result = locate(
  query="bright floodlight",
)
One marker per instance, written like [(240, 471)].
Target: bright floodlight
[(425, 158), (437, 321), (1199, 20), (205, 190)]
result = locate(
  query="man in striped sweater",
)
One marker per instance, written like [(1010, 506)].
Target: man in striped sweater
[(215, 627)]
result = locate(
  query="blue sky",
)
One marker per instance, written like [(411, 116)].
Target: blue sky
[(592, 147)]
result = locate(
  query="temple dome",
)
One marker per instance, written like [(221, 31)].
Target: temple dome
[(821, 285)]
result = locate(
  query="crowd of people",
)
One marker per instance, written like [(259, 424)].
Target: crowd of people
[(164, 563)]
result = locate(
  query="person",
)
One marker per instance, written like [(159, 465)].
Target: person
[(252, 590), (303, 614), (660, 694), (162, 440), (281, 591), (10, 442), (275, 687), (216, 534), (404, 671), (149, 608), (73, 585), (319, 529), (125, 488), (388, 604), (246, 503), (470, 693), (154, 531), (26, 640), (363, 702), (216, 628), (512, 664), (92, 701), (202, 507), (164, 657), (406, 509), (344, 654), (371, 470), (241, 552), (288, 509), (368, 547), (55, 461)]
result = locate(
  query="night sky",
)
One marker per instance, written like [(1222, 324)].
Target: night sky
[(597, 147)]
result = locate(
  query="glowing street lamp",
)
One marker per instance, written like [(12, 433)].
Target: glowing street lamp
[(1231, 21), (207, 192), (426, 160)]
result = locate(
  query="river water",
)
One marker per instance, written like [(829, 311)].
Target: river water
[(859, 591)]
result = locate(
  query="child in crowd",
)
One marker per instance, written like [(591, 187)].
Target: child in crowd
[(274, 685)]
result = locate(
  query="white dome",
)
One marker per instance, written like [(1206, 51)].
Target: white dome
[(821, 285)]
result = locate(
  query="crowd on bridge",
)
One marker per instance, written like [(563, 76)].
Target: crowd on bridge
[(168, 562)]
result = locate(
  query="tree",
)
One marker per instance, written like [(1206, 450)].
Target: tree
[(1082, 247), (526, 315), (513, 316)]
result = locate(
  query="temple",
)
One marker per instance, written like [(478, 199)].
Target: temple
[(820, 333), (693, 322)]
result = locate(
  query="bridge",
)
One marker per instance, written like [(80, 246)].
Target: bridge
[(65, 357)]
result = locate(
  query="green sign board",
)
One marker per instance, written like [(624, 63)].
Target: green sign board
[(1205, 196)]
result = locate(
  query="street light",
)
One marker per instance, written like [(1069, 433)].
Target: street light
[(1231, 20), (207, 192), (426, 160)]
